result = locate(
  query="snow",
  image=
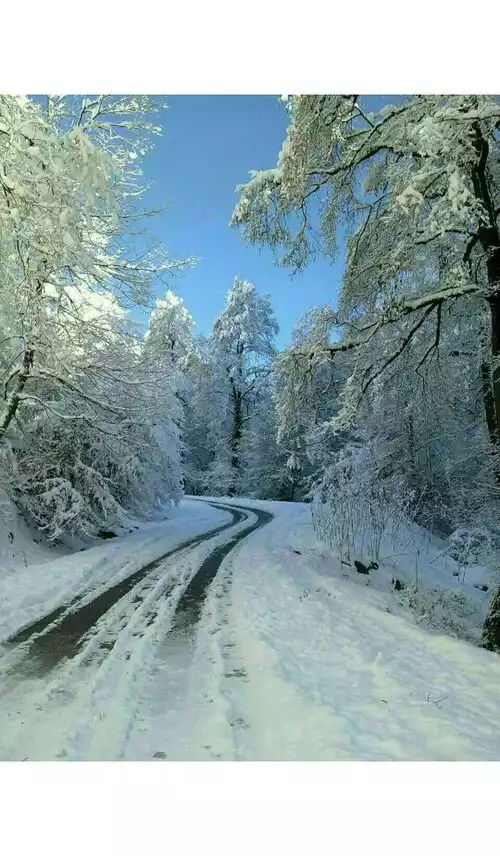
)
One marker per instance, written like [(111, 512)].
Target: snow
[(333, 675), (302, 663), (18, 547), (27, 593), (295, 657), (87, 707)]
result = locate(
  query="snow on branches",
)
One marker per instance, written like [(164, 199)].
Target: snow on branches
[(73, 367)]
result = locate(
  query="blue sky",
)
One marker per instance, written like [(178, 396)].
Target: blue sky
[(209, 145)]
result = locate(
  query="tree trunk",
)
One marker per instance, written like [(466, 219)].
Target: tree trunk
[(14, 397), (489, 402), (489, 239), (492, 403), (490, 370), (491, 630), (491, 392), (236, 438), (237, 426)]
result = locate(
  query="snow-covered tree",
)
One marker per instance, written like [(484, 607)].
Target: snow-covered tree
[(170, 351), (230, 398), (417, 186), (64, 207), (242, 345), (170, 331), (202, 418), (268, 468), (72, 367), (308, 397), (79, 466)]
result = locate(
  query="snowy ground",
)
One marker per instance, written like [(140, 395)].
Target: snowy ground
[(67, 687), (293, 657), (19, 546), (29, 592)]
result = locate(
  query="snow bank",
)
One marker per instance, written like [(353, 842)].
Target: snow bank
[(18, 547)]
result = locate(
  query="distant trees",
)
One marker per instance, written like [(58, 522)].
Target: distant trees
[(231, 429), (242, 349), (267, 469)]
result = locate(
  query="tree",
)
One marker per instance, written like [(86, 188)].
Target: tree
[(204, 421), (78, 466), (80, 395), (307, 399), (170, 350), (170, 331), (242, 346), (229, 396), (63, 206), (49, 186), (268, 469), (418, 187)]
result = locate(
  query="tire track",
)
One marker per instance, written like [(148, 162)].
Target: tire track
[(115, 697), (191, 603), (189, 652), (229, 674), (44, 644), (89, 709)]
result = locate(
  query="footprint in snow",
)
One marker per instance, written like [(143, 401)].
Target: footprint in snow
[(239, 722), (236, 673)]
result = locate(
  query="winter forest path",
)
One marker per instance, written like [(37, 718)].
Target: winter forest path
[(71, 683), (247, 642)]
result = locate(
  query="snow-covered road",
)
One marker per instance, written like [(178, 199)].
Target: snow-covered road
[(251, 643), (69, 681)]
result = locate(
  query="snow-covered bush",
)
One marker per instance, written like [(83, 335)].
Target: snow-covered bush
[(445, 610), (353, 507), (470, 546), (63, 480), (68, 476)]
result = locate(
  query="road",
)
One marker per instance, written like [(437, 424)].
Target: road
[(72, 684), (238, 644)]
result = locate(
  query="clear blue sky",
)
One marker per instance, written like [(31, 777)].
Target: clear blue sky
[(209, 145)]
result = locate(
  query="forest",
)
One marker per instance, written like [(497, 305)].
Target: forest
[(383, 414)]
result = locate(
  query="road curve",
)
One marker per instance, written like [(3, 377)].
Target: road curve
[(60, 635), (189, 606), (74, 690)]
